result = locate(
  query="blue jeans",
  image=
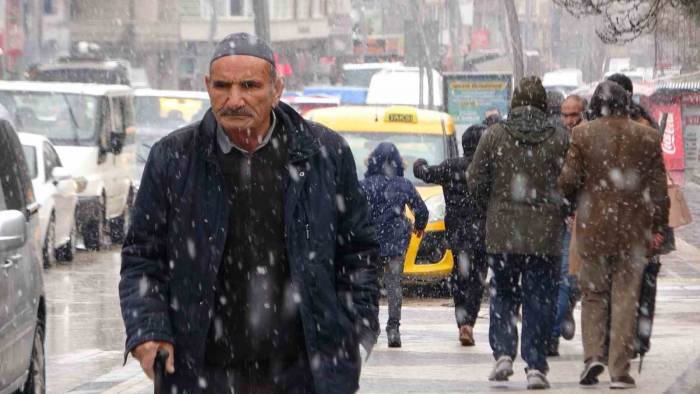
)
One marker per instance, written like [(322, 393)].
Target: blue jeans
[(540, 277), (566, 286)]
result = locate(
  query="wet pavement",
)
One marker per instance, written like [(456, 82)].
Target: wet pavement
[(85, 336)]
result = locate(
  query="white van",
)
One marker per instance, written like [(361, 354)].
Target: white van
[(91, 126), (564, 80), (401, 86)]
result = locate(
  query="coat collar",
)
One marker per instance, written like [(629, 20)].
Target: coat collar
[(302, 143)]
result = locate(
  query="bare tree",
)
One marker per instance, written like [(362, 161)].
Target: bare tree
[(515, 40), (625, 20)]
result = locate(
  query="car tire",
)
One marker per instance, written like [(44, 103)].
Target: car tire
[(65, 253), (120, 225), (36, 381), (95, 230), (48, 251)]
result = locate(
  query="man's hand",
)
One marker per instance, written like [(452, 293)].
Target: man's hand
[(419, 167), (419, 233), (146, 354)]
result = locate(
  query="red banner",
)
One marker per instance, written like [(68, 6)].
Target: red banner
[(672, 142), (691, 99)]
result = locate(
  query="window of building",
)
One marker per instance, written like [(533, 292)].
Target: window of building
[(303, 9), (49, 7), (281, 9), (318, 8)]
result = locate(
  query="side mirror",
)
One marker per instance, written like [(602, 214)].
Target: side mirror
[(59, 174), (13, 230)]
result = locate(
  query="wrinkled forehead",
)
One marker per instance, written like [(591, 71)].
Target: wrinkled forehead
[(239, 67)]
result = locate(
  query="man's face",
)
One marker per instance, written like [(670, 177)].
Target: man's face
[(571, 114), (242, 93)]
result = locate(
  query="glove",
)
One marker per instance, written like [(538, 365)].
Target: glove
[(419, 167)]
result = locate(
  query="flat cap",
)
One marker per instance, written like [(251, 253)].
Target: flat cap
[(243, 44)]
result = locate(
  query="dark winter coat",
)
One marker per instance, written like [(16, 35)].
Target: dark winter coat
[(516, 165), (465, 217), (174, 249), (615, 171), (388, 193)]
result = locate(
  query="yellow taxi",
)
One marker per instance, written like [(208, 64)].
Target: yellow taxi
[(417, 134)]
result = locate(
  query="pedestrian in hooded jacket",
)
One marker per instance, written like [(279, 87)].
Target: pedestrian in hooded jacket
[(615, 173), (251, 258), (388, 193), (465, 220), (516, 167)]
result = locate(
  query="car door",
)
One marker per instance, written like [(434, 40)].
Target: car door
[(63, 194), (20, 273)]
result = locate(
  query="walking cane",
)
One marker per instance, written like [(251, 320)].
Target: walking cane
[(159, 370)]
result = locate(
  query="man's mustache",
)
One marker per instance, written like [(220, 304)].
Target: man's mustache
[(235, 112)]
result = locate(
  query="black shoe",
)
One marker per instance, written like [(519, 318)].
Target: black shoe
[(393, 336), (553, 347), (623, 382), (591, 371)]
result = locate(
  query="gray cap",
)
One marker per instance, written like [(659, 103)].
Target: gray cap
[(243, 44)]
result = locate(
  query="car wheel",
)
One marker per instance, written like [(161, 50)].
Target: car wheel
[(119, 226), (95, 230), (49, 249), (67, 251), (36, 381)]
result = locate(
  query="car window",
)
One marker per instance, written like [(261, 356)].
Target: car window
[(51, 160), (17, 190), (30, 155)]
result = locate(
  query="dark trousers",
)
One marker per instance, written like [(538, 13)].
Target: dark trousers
[(540, 275), (467, 284), (260, 377)]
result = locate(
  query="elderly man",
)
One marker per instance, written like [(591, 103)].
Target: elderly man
[(571, 115), (615, 172), (250, 258), (572, 111)]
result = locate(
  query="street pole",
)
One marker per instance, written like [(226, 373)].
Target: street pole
[(262, 19), (516, 42), (425, 53), (213, 23)]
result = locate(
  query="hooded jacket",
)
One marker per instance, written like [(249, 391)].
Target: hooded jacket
[(465, 216), (388, 193), (515, 168), (173, 251)]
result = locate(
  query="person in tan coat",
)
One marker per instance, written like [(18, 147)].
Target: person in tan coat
[(614, 173)]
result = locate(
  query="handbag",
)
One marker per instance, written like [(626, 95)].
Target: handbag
[(679, 213)]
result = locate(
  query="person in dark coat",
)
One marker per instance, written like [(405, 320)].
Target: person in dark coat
[(251, 257), (388, 193), (465, 220), (516, 167)]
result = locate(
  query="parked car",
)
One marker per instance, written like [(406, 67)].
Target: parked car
[(56, 193), (158, 112), (91, 126), (23, 311)]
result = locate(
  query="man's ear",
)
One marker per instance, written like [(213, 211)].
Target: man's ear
[(206, 81), (278, 89)]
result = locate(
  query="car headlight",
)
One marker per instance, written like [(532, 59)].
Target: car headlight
[(436, 208)]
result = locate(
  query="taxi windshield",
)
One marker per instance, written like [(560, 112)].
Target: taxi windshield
[(168, 112), (431, 147)]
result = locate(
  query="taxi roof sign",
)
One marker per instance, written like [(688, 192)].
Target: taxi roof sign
[(401, 114)]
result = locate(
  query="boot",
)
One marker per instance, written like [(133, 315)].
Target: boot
[(393, 336), (466, 335)]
